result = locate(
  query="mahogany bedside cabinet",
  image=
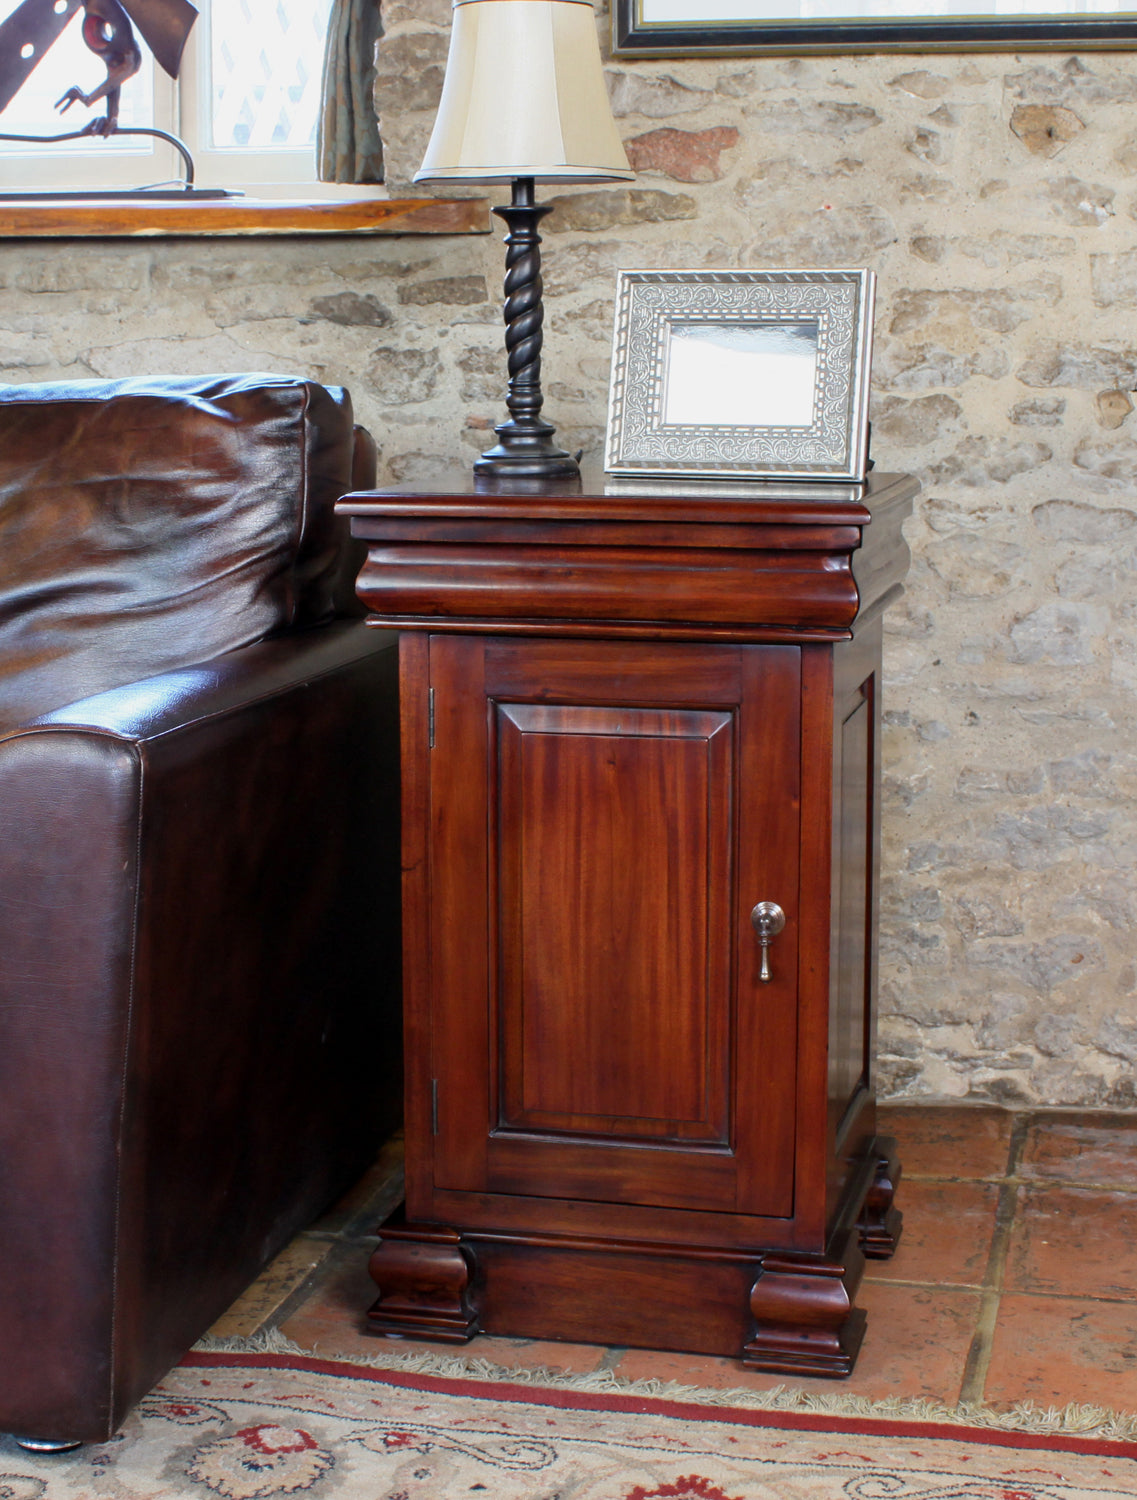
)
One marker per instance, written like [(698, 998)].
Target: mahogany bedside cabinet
[(640, 823)]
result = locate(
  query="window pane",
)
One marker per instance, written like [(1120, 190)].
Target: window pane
[(70, 63), (266, 59)]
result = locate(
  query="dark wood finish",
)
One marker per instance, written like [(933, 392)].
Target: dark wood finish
[(590, 995), (880, 1223), (804, 1319), (628, 718), (524, 446), (135, 215), (423, 1276)]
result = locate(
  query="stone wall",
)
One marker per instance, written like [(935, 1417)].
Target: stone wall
[(995, 196)]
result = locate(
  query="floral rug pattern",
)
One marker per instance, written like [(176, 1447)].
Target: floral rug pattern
[(256, 1427)]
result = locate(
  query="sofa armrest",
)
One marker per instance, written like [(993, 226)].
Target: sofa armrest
[(159, 705), (198, 925)]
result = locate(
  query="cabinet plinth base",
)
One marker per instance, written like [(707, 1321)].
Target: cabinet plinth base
[(423, 1275), (880, 1223), (805, 1322), (783, 1311)]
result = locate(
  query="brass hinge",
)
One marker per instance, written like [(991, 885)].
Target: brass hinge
[(430, 717)]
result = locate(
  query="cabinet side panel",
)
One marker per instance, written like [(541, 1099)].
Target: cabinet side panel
[(856, 855), (849, 1011)]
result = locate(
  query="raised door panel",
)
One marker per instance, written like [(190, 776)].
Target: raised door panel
[(604, 816), (615, 954)]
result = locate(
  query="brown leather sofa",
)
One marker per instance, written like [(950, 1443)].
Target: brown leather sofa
[(198, 868)]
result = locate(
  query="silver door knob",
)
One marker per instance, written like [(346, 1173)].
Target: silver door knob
[(768, 919)]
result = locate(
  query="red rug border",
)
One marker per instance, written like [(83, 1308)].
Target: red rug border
[(555, 1396)]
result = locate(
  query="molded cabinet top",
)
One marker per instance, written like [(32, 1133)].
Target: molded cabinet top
[(698, 560)]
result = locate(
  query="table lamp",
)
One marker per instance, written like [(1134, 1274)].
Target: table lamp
[(524, 100)]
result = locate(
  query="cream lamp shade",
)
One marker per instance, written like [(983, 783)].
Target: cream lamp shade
[(524, 97)]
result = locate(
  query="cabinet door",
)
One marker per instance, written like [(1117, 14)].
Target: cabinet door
[(603, 818)]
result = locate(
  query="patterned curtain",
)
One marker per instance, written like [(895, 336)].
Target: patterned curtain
[(348, 148)]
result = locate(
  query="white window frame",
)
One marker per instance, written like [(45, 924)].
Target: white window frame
[(181, 107)]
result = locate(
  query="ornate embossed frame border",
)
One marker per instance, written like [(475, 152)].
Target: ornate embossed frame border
[(650, 305)]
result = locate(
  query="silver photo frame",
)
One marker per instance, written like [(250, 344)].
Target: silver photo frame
[(741, 374)]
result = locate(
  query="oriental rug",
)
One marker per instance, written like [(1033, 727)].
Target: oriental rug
[(246, 1426)]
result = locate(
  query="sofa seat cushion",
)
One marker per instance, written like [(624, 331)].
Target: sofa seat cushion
[(147, 524)]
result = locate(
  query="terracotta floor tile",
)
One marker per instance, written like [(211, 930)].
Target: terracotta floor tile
[(916, 1345), (1062, 1349), (715, 1372), (1093, 1149), (949, 1140), (332, 1319), (947, 1233), (272, 1288), (1074, 1242)]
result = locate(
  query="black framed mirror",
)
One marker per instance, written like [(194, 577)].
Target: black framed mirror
[(670, 28)]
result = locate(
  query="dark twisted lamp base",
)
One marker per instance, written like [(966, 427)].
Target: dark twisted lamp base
[(524, 449)]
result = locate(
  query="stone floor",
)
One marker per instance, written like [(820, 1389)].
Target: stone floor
[(1016, 1277)]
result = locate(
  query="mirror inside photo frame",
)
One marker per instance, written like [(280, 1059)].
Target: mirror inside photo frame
[(740, 374)]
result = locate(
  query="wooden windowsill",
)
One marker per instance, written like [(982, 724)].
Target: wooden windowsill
[(126, 217)]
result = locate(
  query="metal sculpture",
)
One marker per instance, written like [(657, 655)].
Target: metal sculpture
[(35, 25), (108, 33)]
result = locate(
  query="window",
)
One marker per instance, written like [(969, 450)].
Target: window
[(246, 104)]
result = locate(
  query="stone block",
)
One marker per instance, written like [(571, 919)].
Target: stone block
[(1078, 521), (403, 376), (1043, 966), (1045, 412), (914, 424), (1112, 408), (1045, 128), (1113, 279), (683, 155), (1073, 82), (985, 460), (994, 310), (656, 97), (920, 367), (453, 291), (1064, 634), (1080, 366), (789, 118), (1077, 202), (410, 66), (485, 374), (1116, 460), (930, 145), (979, 566), (923, 85), (609, 208), (350, 310)]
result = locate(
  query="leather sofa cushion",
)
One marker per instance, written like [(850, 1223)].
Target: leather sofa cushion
[(147, 524)]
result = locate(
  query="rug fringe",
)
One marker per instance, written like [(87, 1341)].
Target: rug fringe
[(1076, 1419)]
